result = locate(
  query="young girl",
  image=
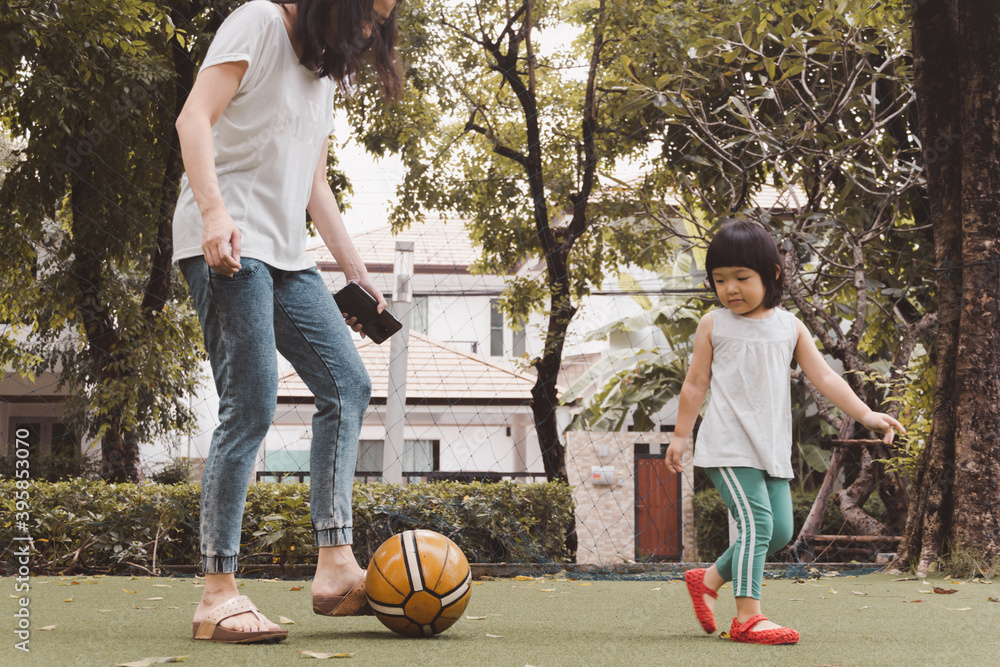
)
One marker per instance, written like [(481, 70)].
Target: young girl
[(743, 352)]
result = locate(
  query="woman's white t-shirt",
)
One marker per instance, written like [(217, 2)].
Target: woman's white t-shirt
[(267, 142), (748, 422)]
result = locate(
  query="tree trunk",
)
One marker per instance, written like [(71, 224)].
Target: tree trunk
[(119, 447), (851, 501), (977, 448), (956, 502), (799, 549)]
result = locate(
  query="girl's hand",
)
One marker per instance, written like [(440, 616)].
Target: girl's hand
[(878, 421), (675, 454)]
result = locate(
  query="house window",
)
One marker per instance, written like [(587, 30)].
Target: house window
[(418, 315), (519, 339), (53, 449), (285, 461), (421, 456), (496, 329), (370, 454)]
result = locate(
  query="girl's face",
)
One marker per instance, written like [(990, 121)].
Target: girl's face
[(741, 290)]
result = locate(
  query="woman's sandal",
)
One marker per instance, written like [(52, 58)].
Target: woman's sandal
[(208, 629), (741, 632), (695, 580), (354, 603)]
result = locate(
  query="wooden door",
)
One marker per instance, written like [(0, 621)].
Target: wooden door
[(658, 534)]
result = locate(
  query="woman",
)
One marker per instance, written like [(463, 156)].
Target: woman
[(254, 138)]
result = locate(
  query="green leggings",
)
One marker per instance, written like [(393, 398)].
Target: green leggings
[(762, 507)]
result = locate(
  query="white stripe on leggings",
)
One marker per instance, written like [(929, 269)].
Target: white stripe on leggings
[(746, 517)]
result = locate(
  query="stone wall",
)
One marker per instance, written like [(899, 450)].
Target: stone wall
[(605, 515)]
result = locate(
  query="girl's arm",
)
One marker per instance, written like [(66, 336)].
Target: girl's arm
[(325, 214), (835, 388), (696, 384), (212, 91)]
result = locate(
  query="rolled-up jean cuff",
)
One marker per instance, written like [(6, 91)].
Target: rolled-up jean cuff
[(334, 537), (218, 564)]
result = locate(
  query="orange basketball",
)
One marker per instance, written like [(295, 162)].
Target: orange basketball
[(419, 583)]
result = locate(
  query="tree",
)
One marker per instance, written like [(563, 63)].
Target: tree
[(91, 90), (955, 508), (816, 99), (502, 133)]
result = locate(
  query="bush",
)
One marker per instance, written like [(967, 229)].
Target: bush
[(175, 471), (94, 526)]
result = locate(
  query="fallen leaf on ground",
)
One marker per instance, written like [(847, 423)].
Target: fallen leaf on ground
[(295, 588), (906, 579), (128, 591), (723, 635), (69, 599), (494, 636), (960, 609), (858, 593), (522, 577), (152, 599), (48, 627), (586, 583), (945, 591), (796, 599), (282, 619), (161, 586), (475, 618), (865, 607), (323, 656), (992, 600), (146, 662)]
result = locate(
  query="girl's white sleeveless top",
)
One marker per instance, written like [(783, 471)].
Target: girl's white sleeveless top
[(749, 418)]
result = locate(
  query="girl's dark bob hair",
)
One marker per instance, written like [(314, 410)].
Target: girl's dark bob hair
[(333, 43), (746, 244)]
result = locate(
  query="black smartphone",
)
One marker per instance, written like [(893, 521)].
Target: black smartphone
[(356, 302)]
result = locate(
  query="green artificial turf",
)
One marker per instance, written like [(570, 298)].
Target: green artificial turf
[(843, 620)]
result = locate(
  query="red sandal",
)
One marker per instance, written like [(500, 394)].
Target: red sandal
[(695, 580), (741, 632)]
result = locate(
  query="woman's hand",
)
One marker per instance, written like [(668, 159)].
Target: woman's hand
[(878, 421), (675, 454), (366, 283), (220, 241)]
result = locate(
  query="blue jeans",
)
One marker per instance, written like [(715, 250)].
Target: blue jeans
[(244, 319)]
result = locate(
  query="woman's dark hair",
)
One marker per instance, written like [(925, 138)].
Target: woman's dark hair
[(333, 43), (743, 243)]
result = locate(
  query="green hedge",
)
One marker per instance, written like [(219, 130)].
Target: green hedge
[(82, 525)]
